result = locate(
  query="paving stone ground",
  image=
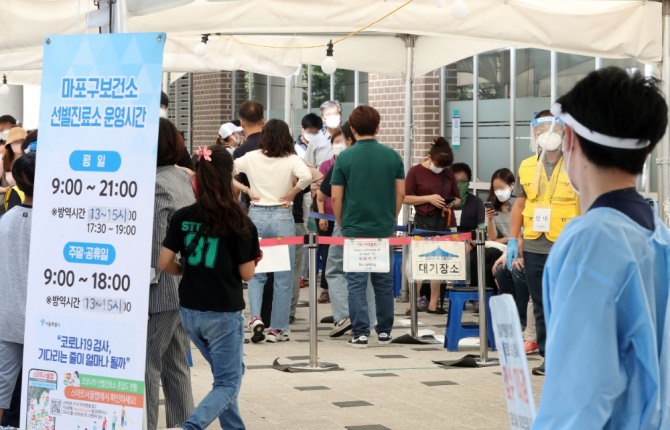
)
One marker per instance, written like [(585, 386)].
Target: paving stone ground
[(382, 387)]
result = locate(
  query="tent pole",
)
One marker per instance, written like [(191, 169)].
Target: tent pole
[(407, 143), (664, 147), (443, 99), (119, 17)]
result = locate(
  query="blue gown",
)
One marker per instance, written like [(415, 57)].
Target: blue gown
[(605, 290)]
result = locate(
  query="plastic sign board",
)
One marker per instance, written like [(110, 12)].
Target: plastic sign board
[(367, 255), (90, 253), (438, 260), (513, 362), (456, 129)]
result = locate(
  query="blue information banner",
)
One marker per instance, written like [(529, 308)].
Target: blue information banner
[(92, 222)]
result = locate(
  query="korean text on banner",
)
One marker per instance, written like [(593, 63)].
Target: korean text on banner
[(367, 255), (438, 260), (513, 362), (86, 320)]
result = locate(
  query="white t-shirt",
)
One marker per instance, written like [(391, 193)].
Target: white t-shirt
[(271, 178)]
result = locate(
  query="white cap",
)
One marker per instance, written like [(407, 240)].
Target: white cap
[(227, 129)]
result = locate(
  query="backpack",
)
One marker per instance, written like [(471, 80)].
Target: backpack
[(12, 195)]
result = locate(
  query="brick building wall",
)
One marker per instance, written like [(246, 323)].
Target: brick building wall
[(212, 103), (387, 95)]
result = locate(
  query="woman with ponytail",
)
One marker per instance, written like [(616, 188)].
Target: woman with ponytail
[(218, 245)]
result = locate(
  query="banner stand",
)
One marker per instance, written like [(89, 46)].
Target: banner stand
[(412, 338), (313, 365)]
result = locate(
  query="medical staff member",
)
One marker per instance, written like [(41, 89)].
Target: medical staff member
[(544, 204), (607, 279)]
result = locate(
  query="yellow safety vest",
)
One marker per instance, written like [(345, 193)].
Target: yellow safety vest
[(555, 193)]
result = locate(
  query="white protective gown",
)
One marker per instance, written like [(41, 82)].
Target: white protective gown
[(605, 290)]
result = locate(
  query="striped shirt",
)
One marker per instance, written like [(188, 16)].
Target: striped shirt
[(174, 191)]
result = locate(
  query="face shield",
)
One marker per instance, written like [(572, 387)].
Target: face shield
[(546, 134)]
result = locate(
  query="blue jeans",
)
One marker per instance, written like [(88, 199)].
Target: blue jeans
[(271, 222), (220, 338), (382, 283), (337, 283)]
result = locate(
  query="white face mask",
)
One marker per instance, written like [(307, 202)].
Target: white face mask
[(333, 121), (309, 136), (164, 113), (338, 148), (549, 140), (503, 195), (237, 139), (437, 170), (4, 135)]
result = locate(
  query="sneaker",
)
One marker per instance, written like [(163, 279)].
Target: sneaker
[(384, 338), (341, 327), (275, 336), (328, 320), (304, 283), (358, 342), (257, 327), (539, 371), (530, 347), (423, 304), (408, 313), (324, 297)]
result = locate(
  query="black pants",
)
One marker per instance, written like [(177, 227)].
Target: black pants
[(323, 251), (534, 269), (266, 307), (490, 257), (513, 282)]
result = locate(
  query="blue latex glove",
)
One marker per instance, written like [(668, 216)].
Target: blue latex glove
[(512, 251)]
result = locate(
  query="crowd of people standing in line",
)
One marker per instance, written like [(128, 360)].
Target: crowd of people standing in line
[(256, 180)]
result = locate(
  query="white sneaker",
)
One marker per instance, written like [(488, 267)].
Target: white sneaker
[(275, 336), (341, 327)]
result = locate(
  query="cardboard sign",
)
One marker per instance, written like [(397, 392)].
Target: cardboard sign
[(438, 260), (367, 255), (275, 259), (513, 362)]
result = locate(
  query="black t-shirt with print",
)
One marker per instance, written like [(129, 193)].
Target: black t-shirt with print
[(212, 280)]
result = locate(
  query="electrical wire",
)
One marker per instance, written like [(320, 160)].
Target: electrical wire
[(323, 45)]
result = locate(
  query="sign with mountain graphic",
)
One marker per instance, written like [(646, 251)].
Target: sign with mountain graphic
[(438, 260)]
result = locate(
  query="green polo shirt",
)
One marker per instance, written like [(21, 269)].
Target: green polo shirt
[(368, 171)]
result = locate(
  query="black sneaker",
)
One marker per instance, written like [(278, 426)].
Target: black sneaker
[(341, 327), (539, 371), (358, 342), (384, 338), (291, 319), (328, 320)]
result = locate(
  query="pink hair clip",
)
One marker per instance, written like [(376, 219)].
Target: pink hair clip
[(204, 153)]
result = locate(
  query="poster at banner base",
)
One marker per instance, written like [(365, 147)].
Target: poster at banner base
[(367, 255), (92, 226), (513, 362), (438, 260), (275, 259)]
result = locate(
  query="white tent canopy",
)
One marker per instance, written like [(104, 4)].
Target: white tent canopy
[(607, 28)]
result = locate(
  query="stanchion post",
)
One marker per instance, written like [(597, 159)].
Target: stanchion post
[(480, 242), (313, 344), (313, 365)]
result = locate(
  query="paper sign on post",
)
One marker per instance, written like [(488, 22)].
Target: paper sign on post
[(275, 259), (513, 362), (367, 255), (92, 224), (438, 260)]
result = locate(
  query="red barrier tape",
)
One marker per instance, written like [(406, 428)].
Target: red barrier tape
[(393, 241), (277, 241)]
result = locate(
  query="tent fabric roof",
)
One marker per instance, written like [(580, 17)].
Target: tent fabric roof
[(607, 28)]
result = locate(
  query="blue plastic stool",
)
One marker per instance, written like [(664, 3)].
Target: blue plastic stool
[(189, 358), (455, 330)]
